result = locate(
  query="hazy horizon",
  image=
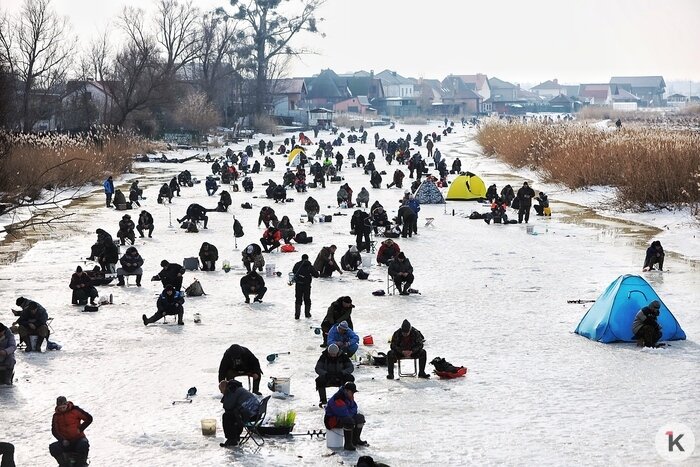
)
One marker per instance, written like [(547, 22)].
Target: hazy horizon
[(575, 42)]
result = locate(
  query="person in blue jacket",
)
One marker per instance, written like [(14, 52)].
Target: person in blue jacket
[(109, 190), (341, 411), (169, 303), (344, 337)]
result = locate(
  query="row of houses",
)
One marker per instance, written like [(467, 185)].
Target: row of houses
[(389, 93)]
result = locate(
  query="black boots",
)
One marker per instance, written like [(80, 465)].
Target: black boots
[(307, 310), (297, 311), (39, 342), (356, 436), (179, 319), (145, 320), (348, 446), (322, 395)]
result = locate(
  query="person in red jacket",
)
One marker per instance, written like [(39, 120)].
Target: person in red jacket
[(68, 427), (388, 251), (341, 412), (271, 239)]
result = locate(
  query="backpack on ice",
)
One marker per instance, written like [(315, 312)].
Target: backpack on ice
[(191, 264), (237, 229), (288, 248), (303, 238), (195, 289), (362, 275)]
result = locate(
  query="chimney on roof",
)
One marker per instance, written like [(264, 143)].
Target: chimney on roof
[(556, 81), (393, 73), (371, 73)]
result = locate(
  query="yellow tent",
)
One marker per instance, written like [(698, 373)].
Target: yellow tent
[(293, 158), (467, 187)]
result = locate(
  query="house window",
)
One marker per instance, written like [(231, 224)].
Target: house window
[(353, 109)]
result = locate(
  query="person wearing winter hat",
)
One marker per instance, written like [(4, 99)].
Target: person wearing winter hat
[(171, 274), (126, 230), (344, 337), (334, 369), (407, 342), (252, 257), (340, 310), (32, 322), (82, 287), (169, 303), (68, 427), (304, 273), (8, 346), (401, 273), (645, 327), (351, 260), (341, 411)]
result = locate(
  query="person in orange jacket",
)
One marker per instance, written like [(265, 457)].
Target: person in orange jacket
[(68, 427), (271, 239)]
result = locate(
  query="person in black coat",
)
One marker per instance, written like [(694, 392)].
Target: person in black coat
[(542, 203), (171, 274), (252, 257), (376, 179), (145, 223), (351, 260), (131, 263), (126, 230), (253, 284), (195, 213), (134, 195), (407, 342), (312, 209), (224, 201), (655, 255), (401, 273), (507, 194), (208, 254), (247, 184), (109, 256), (164, 193), (361, 225), (525, 195), (210, 185), (268, 217), (492, 193), (239, 361), (408, 220), (240, 407), (174, 187), (333, 368), (169, 303), (379, 217), (279, 194), (82, 287), (303, 272)]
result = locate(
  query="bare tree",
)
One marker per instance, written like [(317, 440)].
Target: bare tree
[(177, 33), (272, 33), (195, 112), (39, 48)]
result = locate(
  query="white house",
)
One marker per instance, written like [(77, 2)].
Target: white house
[(550, 89), (396, 85), (96, 93)]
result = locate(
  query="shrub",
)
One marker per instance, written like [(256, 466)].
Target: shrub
[(646, 165), (31, 162), (345, 120), (264, 124)]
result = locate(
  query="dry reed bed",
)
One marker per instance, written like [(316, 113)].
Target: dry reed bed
[(31, 162), (648, 166)]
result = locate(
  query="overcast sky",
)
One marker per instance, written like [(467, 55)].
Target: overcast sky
[(522, 41)]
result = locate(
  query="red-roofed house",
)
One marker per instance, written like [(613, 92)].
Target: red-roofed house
[(595, 93)]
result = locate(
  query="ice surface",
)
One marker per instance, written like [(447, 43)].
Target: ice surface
[(493, 299)]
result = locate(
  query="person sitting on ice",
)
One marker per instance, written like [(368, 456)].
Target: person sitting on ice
[(333, 368), (68, 426), (252, 257), (82, 287), (164, 193), (171, 274), (498, 212), (131, 263), (325, 262), (32, 321), (240, 406), (195, 213), (224, 201), (253, 284), (344, 337), (271, 239), (126, 230), (379, 218), (407, 342), (8, 346), (286, 229), (145, 223), (240, 361), (542, 207), (401, 273), (208, 254), (387, 251), (645, 327), (169, 303), (210, 185), (247, 184), (341, 412), (351, 260), (363, 197), (655, 255), (279, 194)]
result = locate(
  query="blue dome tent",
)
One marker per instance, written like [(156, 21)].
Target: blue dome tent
[(610, 318)]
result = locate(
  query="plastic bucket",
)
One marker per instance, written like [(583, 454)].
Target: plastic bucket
[(209, 426), (280, 385), (367, 261), (530, 229), (270, 270), (32, 341), (335, 439), (368, 340)]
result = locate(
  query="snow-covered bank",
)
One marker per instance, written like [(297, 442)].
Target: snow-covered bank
[(493, 299)]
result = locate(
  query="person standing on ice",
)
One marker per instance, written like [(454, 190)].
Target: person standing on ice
[(240, 361), (68, 427), (407, 342), (303, 273), (341, 412), (109, 190), (525, 195), (655, 255), (645, 326)]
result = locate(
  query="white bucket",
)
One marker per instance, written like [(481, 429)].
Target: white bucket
[(335, 439), (270, 270), (280, 385), (367, 261), (209, 426)]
